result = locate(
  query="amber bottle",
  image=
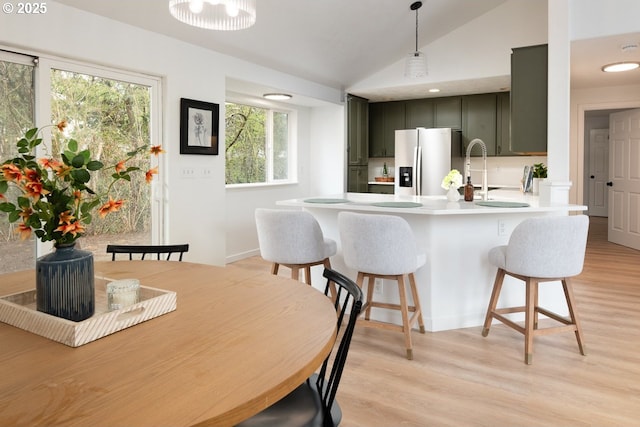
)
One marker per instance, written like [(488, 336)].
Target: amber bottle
[(468, 191)]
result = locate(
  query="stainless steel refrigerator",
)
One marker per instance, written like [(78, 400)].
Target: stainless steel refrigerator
[(423, 157)]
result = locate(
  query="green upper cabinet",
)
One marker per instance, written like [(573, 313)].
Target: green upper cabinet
[(479, 120), (503, 124), (529, 100), (448, 112), (384, 119), (419, 113), (357, 130), (487, 116)]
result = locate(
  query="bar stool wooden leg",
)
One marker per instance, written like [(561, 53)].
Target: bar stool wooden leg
[(530, 308), (416, 301), (403, 306), (369, 292), (568, 293), (404, 310), (535, 306), (493, 301), (307, 275), (274, 268)]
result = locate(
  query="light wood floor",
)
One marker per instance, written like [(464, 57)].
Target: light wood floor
[(459, 378)]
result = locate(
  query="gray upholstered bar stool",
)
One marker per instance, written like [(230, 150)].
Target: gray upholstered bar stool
[(293, 239), (383, 246), (544, 249)]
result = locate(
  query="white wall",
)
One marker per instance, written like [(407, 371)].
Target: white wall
[(199, 209), (327, 166), (601, 18)]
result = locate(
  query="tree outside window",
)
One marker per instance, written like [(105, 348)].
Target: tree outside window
[(17, 104), (257, 145)]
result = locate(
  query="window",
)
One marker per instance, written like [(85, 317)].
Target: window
[(107, 110), (110, 117), (258, 145)]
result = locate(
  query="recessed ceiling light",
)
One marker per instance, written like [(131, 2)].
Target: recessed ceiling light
[(434, 90), (620, 66), (277, 96)]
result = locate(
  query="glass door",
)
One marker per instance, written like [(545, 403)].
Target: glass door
[(108, 111), (17, 111)]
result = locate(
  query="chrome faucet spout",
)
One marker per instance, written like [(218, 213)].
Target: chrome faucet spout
[(467, 167)]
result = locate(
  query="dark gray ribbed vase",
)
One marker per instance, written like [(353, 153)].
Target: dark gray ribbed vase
[(65, 283)]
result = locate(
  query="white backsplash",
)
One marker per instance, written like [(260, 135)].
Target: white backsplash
[(376, 164), (501, 171)]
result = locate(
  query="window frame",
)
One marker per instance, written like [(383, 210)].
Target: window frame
[(292, 145)]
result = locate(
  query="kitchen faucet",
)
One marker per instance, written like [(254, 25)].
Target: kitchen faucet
[(467, 166)]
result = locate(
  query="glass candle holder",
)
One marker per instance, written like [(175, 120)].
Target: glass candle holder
[(122, 293)]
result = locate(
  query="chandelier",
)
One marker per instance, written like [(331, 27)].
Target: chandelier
[(225, 15)]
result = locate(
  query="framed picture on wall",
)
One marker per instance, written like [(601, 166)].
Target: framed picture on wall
[(198, 127)]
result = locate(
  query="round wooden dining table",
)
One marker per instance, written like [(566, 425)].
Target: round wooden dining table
[(238, 341)]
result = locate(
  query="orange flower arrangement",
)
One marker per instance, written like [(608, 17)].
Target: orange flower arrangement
[(54, 201)]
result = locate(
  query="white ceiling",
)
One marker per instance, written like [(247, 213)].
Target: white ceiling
[(339, 42)]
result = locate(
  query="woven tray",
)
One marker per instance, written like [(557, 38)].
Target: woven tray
[(19, 310)]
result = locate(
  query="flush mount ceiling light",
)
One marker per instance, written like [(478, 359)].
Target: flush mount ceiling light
[(616, 67), (620, 66), (225, 15), (416, 65), (277, 96)]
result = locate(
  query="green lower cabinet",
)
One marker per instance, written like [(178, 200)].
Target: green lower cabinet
[(381, 189), (358, 179)]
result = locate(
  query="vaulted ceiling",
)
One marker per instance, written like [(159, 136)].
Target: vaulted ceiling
[(340, 42)]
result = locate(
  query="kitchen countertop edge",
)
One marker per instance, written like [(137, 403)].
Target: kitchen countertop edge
[(431, 205)]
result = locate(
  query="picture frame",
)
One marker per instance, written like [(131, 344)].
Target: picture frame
[(199, 125)]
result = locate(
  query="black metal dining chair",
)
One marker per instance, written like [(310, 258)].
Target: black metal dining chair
[(314, 403), (143, 250)]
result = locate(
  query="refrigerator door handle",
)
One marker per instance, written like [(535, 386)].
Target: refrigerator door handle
[(417, 167)]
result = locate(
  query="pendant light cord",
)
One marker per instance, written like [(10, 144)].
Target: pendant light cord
[(417, 29), (415, 6)]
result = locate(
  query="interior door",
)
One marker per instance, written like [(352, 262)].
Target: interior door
[(624, 170), (598, 172)]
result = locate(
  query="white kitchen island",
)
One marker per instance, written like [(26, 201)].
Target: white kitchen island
[(455, 284)]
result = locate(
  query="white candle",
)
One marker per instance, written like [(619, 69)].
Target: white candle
[(122, 293)]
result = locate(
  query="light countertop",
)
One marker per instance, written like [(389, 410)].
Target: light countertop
[(428, 205)]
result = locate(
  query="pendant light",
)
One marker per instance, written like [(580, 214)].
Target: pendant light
[(416, 65), (225, 15)]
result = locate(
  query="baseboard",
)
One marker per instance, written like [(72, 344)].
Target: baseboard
[(243, 255)]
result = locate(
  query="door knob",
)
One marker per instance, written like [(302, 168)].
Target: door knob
[(593, 176), (609, 184)]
